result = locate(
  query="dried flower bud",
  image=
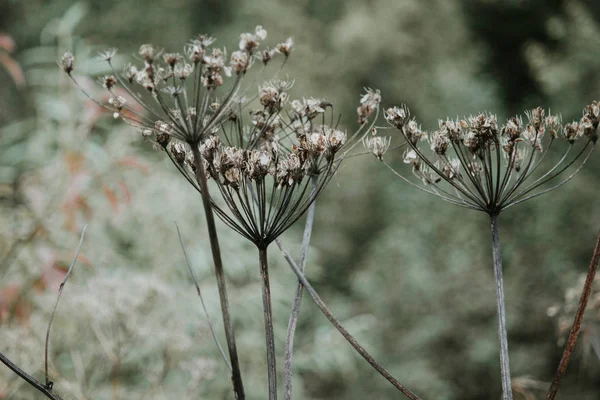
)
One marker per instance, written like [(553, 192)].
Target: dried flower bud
[(439, 142), (172, 58), (130, 72), (148, 52), (378, 145), (267, 55), (397, 116), (106, 55), (68, 62), (108, 81), (572, 132), (240, 61), (368, 104), (285, 48), (178, 152)]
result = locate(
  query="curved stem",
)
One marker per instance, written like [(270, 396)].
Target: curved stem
[(585, 295), (289, 342), (270, 337), (504, 359), (236, 376), (334, 321)]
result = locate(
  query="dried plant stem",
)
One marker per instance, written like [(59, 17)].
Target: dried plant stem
[(236, 376), (270, 336), (573, 335), (60, 290), (289, 341), (328, 314), (502, 334), (29, 379)]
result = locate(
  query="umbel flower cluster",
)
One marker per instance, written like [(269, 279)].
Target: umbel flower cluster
[(478, 164), (263, 170), (261, 158)]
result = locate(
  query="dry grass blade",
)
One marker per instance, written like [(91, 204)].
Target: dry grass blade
[(60, 290), (193, 275)]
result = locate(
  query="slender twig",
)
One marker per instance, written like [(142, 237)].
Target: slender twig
[(193, 275), (236, 376), (60, 290), (289, 342), (328, 314), (268, 311), (502, 334), (573, 335), (29, 379)]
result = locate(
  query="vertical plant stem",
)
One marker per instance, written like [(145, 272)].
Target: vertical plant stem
[(573, 335), (270, 337), (502, 334), (289, 341), (336, 323), (236, 376)]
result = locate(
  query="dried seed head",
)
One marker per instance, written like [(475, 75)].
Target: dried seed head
[(130, 72), (172, 58), (440, 141), (369, 102), (106, 55), (68, 62), (285, 48), (378, 145), (309, 108), (108, 81), (178, 152), (148, 52), (240, 62), (397, 116), (267, 55)]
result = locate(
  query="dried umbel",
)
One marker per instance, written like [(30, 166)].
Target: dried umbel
[(263, 169), (478, 164), (188, 94)]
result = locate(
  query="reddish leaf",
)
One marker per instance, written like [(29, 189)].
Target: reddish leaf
[(13, 68), (112, 198), (7, 43), (132, 162)]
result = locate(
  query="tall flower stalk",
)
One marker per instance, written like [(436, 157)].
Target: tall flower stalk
[(476, 164), (186, 98)]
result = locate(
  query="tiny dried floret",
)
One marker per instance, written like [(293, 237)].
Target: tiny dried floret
[(368, 104), (178, 152), (148, 53), (378, 145), (309, 108), (68, 62), (397, 116), (108, 81), (106, 55), (240, 62), (285, 48), (440, 141)]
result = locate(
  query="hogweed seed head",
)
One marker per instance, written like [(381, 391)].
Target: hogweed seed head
[(502, 164)]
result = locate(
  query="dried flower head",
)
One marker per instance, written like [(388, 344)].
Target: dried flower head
[(179, 93), (261, 165), (502, 164)]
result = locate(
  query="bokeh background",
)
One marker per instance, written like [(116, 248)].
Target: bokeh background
[(409, 275)]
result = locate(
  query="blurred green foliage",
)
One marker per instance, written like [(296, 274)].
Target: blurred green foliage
[(409, 275)]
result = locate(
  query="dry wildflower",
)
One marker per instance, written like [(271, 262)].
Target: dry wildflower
[(67, 62), (503, 163)]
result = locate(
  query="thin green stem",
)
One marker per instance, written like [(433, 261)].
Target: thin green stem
[(236, 376), (268, 314), (502, 334)]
